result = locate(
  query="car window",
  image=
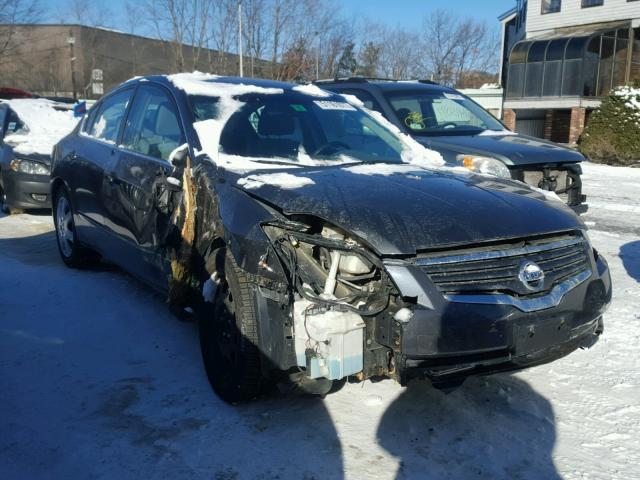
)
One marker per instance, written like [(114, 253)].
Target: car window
[(153, 124), (89, 118), (107, 123), (296, 128), (364, 97), (449, 111), (441, 113), (14, 124)]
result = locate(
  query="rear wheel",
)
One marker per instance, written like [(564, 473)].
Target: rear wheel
[(229, 337), (72, 253)]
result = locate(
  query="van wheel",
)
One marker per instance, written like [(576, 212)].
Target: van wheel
[(72, 253), (229, 337)]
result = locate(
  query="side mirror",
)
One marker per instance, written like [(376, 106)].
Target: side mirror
[(178, 158)]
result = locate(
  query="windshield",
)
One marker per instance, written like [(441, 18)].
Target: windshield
[(299, 128), (441, 113)]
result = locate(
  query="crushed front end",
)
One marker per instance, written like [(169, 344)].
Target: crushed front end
[(563, 179), (443, 314)]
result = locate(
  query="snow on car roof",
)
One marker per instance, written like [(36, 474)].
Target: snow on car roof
[(45, 125)]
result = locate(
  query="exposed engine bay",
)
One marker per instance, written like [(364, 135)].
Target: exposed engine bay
[(339, 290)]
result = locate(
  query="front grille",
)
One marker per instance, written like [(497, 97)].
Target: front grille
[(496, 268)]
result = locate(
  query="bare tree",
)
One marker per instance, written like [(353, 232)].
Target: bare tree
[(223, 35), (400, 53), (14, 12), (86, 12), (184, 25), (454, 46)]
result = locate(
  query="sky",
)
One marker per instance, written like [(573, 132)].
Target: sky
[(411, 12), (407, 13)]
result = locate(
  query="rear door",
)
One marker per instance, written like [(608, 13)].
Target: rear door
[(152, 131), (96, 153)]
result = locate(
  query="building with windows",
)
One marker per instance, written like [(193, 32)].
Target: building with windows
[(560, 57)]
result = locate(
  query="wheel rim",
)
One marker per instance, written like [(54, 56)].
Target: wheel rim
[(64, 226)]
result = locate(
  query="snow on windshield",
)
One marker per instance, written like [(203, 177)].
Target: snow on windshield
[(45, 125), (209, 130)]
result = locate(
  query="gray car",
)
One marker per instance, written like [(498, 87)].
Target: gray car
[(29, 128), (445, 120)]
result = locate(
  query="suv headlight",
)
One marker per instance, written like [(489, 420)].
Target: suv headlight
[(28, 166), (485, 165)]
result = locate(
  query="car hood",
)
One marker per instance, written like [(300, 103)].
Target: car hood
[(511, 149), (412, 209), (29, 155)]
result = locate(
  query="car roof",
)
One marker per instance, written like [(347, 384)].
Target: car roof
[(213, 79), (384, 84)]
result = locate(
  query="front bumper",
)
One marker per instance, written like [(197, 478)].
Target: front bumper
[(563, 179), (26, 191), (447, 339)]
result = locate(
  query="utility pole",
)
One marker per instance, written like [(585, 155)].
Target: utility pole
[(317, 55), (240, 36), (71, 40)]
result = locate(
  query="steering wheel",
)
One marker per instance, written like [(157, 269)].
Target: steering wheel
[(331, 147), (448, 125)]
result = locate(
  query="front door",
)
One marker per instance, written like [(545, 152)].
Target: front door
[(152, 131)]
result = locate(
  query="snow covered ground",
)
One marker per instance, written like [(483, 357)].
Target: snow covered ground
[(98, 380)]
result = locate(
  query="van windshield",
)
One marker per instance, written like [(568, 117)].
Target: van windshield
[(300, 128), (441, 113)]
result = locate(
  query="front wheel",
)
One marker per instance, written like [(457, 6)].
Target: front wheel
[(72, 253), (229, 337)]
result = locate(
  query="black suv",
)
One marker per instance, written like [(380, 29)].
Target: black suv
[(313, 243), (449, 122)]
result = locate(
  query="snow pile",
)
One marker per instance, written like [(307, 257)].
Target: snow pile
[(45, 126), (280, 180), (311, 90)]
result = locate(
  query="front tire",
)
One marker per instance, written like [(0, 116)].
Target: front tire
[(71, 252), (229, 337)]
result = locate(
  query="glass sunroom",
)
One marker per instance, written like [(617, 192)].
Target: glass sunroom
[(582, 65)]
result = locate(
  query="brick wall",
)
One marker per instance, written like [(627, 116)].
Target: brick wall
[(576, 127), (509, 118)]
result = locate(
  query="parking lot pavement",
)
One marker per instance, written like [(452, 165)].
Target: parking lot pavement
[(98, 380)]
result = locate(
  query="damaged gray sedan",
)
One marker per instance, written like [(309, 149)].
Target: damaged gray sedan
[(315, 243)]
